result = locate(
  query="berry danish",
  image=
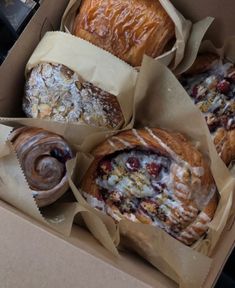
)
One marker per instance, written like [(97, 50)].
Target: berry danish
[(211, 84), (154, 177), (42, 156)]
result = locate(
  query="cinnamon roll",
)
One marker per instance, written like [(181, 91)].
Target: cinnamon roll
[(55, 92), (154, 177), (42, 156), (210, 83), (126, 28)]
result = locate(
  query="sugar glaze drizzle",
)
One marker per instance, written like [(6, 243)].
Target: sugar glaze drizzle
[(176, 194)]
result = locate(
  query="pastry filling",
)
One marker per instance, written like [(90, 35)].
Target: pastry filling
[(140, 185), (214, 94)]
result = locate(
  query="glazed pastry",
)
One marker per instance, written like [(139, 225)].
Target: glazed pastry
[(153, 177), (211, 84), (127, 28), (55, 92), (42, 156)]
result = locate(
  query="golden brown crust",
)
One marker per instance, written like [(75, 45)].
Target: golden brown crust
[(176, 147), (42, 156), (225, 144), (203, 63), (127, 28)]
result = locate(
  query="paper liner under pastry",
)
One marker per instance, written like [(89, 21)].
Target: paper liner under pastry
[(174, 111), (184, 31), (42, 156), (59, 216), (92, 64)]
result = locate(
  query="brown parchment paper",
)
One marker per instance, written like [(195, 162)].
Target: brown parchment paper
[(160, 101), (14, 190), (182, 29), (93, 64)]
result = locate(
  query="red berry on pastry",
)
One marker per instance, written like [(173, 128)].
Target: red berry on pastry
[(105, 167), (223, 86), (132, 164), (154, 169), (61, 155), (194, 91)]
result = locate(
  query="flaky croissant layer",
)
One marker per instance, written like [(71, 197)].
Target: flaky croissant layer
[(42, 155), (126, 28), (153, 177)]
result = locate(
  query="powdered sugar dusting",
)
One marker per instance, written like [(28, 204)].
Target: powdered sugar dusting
[(55, 92)]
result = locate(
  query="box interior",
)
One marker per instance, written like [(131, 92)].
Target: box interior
[(51, 259)]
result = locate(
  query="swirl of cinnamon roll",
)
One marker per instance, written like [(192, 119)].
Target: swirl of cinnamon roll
[(153, 177), (42, 156)]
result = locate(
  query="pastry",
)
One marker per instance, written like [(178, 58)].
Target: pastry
[(210, 83), (154, 177), (42, 156), (55, 92), (126, 28)]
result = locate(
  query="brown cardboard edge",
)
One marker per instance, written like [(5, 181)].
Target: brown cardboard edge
[(226, 242), (46, 18), (104, 272)]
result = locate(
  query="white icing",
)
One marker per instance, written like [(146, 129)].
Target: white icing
[(183, 188), (139, 137), (204, 217), (94, 202), (124, 142), (158, 196), (112, 144), (198, 171)]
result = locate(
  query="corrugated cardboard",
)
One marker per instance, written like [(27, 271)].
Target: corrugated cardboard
[(32, 255)]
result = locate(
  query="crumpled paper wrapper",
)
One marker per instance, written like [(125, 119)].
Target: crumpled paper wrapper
[(91, 63), (58, 216), (182, 29), (160, 101)]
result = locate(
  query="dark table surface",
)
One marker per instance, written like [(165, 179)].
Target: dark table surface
[(227, 278)]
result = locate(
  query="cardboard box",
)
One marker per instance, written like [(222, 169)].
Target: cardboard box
[(32, 255)]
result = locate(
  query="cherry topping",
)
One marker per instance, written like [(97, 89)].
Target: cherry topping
[(194, 92), (61, 155), (223, 86), (154, 169), (133, 164), (105, 167)]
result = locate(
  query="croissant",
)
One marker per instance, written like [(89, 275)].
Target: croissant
[(211, 85), (126, 28), (153, 177), (42, 156), (55, 92)]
